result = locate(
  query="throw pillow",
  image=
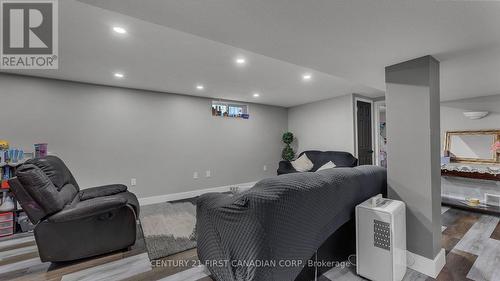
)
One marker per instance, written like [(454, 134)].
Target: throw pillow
[(302, 164), (327, 165)]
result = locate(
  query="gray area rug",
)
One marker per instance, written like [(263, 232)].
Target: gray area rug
[(169, 227)]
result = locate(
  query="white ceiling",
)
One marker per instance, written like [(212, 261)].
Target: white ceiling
[(159, 58), (172, 45)]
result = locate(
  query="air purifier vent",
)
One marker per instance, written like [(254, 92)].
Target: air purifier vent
[(382, 235), (492, 199)]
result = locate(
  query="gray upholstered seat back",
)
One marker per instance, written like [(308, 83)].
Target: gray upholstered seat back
[(56, 170), (44, 186)]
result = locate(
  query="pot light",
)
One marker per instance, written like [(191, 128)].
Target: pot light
[(200, 87), (256, 95), (119, 30), (307, 77), (119, 75), (240, 60)]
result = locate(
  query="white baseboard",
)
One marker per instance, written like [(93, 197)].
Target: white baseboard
[(191, 194), (426, 266)]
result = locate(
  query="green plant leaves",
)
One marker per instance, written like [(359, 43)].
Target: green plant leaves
[(287, 137), (287, 153)]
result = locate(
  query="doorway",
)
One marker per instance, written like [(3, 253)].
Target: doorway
[(364, 131), (380, 134)]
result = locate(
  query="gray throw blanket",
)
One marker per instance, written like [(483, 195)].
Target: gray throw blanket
[(258, 234)]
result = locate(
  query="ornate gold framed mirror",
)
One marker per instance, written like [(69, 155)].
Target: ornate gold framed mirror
[(472, 146)]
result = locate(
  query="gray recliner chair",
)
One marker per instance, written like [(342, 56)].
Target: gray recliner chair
[(72, 223)]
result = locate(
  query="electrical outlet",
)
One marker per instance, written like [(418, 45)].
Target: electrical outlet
[(195, 175), (208, 174), (133, 181), (264, 168)]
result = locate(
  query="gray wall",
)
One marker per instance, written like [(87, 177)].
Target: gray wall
[(452, 118), (323, 125), (110, 135), (412, 100)]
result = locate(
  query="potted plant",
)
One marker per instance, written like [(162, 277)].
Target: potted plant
[(287, 153)]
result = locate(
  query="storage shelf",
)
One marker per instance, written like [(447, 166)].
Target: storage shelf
[(17, 208), (3, 164)]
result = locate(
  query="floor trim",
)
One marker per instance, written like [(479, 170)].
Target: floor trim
[(425, 265), (191, 194)]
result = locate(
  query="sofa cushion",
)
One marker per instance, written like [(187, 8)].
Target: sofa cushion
[(68, 193), (320, 158), (327, 165), (302, 164), (340, 158)]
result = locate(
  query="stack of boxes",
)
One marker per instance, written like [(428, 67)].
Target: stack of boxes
[(6, 218), (7, 202), (6, 224)]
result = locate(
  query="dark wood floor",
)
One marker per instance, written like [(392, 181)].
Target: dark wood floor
[(471, 241)]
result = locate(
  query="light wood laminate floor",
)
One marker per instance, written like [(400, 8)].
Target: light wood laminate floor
[(471, 241)]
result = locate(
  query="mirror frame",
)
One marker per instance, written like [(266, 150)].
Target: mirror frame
[(447, 145)]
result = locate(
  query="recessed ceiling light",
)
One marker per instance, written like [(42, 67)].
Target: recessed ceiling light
[(256, 95), (240, 60), (307, 77), (119, 30), (119, 75), (200, 87)]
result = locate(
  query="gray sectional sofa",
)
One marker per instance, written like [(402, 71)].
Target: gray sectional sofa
[(283, 218)]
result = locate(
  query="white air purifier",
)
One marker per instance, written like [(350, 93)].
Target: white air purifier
[(381, 239)]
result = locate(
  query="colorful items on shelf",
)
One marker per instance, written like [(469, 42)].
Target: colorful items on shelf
[(13, 155), (10, 155), (10, 159), (4, 145), (6, 224), (5, 173), (6, 203), (40, 150), (5, 184)]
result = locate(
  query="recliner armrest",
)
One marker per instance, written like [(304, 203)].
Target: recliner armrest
[(88, 208), (100, 191)]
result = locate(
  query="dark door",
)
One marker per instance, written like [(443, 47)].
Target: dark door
[(364, 115)]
